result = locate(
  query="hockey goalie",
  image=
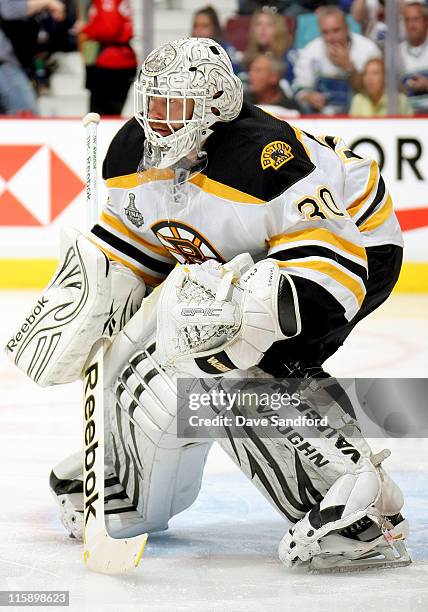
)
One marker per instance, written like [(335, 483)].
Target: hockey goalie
[(262, 247)]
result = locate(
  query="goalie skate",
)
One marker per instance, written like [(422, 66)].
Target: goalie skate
[(121, 516), (372, 548)]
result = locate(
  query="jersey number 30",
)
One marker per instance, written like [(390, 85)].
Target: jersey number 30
[(322, 206)]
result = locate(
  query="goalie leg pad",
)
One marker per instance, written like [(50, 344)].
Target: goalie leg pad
[(324, 485), (296, 474), (150, 475), (161, 473)]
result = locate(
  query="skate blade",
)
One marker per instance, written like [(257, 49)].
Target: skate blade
[(340, 564)]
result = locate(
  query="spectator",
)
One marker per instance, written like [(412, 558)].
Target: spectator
[(206, 24), (371, 15), (16, 92), (111, 63), (372, 102), (366, 12), (414, 55), (53, 37), (329, 68), (269, 33), (264, 76)]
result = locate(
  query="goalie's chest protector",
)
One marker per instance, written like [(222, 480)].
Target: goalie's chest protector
[(221, 211)]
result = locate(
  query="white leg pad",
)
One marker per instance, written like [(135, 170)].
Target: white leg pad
[(160, 473)]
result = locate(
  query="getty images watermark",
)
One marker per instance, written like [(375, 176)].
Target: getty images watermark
[(212, 408), (225, 403), (310, 408)]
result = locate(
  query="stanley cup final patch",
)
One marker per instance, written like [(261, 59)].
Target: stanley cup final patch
[(132, 212), (275, 154)]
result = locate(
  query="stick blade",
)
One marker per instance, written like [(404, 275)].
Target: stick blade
[(107, 555)]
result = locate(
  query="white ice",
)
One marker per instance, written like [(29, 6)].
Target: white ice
[(221, 553)]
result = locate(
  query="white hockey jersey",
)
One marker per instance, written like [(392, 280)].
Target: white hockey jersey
[(414, 61), (268, 189), (315, 71)]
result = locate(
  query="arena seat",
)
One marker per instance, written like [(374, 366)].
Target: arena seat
[(307, 28)]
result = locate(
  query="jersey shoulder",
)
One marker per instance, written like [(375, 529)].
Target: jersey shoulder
[(125, 151), (257, 154)]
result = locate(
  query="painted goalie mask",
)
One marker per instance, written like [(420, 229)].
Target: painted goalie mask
[(186, 72)]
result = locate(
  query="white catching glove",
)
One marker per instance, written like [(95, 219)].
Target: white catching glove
[(214, 318), (88, 298)]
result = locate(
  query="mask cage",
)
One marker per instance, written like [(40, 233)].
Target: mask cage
[(143, 96)]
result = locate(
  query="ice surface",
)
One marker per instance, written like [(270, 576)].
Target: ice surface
[(221, 553)]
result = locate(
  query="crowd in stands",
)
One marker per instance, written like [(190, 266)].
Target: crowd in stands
[(301, 56)]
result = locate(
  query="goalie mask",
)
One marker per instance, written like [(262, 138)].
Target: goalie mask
[(190, 83)]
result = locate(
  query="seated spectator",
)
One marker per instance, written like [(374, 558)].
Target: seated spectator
[(414, 55), (206, 24), (269, 34), (264, 87), (370, 14), (366, 13), (16, 91), (328, 69), (372, 102), (53, 37)]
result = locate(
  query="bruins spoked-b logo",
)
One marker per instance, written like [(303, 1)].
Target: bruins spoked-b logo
[(275, 155), (185, 243), (132, 212)]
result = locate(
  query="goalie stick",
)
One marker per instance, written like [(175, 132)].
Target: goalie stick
[(102, 553)]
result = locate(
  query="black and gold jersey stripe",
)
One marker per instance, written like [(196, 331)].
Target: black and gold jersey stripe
[(151, 281), (132, 252), (355, 207), (317, 235), (335, 272), (378, 217), (116, 224), (380, 193), (328, 260), (321, 252), (374, 206)]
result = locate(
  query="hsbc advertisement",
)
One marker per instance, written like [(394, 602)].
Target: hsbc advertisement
[(42, 183), (42, 166)]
